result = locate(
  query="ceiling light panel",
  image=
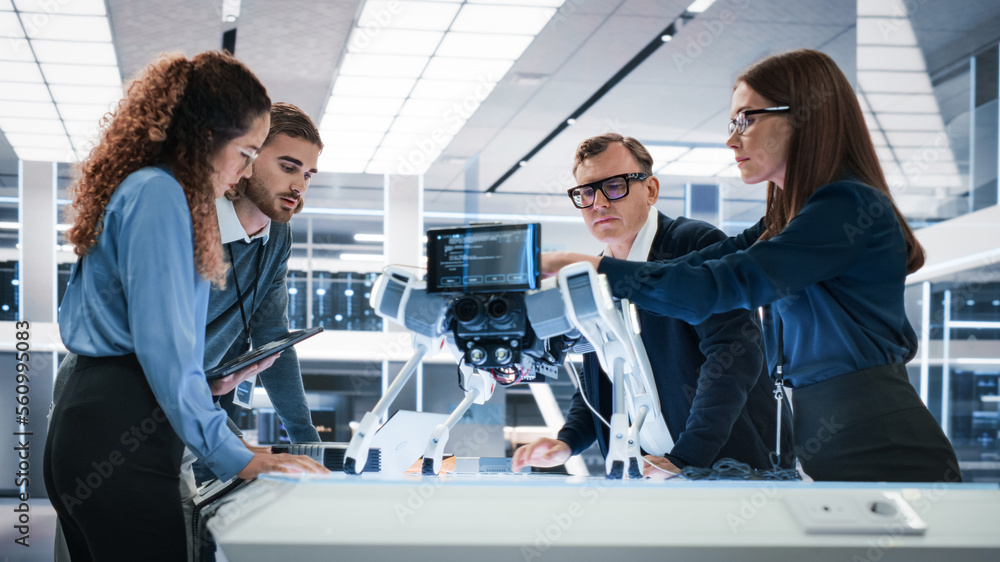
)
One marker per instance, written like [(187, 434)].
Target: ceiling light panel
[(45, 154), (390, 66), (428, 16), (369, 123), (58, 70), (916, 138), (342, 165), (696, 169), (481, 46), (450, 90), (340, 137), (885, 31), (872, 57), (372, 86), (722, 156), (911, 121), (28, 110), (68, 28), (41, 126), (450, 68), (663, 155), (699, 6), (10, 26), (14, 49), (74, 7), (895, 82), (63, 93), (32, 140), (515, 20), (394, 42), (437, 61), (81, 75), (535, 3), (427, 108), (902, 103), (356, 105), (20, 72), (23, 92), (76, 53)]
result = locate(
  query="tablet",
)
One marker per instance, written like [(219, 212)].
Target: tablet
[(255, 355)]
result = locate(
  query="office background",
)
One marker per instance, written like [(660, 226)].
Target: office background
[(445, 113)]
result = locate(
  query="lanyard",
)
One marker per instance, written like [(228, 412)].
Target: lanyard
[(239, 294)]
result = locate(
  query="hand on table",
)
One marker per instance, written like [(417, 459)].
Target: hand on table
[(281, 462), (654, 473), (544, 453)]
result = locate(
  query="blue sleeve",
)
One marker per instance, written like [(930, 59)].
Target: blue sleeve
[(817, 244), (283, 380), (156, 258)]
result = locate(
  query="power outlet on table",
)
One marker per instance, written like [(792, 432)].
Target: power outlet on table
[(867, 513)]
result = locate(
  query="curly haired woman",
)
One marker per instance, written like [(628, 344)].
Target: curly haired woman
[(134, 310)]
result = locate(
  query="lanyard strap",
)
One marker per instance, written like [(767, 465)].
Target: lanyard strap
[(239, 294)]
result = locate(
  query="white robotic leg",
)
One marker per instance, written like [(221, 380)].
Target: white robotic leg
[(479, 388)]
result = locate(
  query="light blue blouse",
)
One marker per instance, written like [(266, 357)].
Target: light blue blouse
[(137, 291)]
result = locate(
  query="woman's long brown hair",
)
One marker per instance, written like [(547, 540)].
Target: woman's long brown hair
[(179, 112), (829, 137)]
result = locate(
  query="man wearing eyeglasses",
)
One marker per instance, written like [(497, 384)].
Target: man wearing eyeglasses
[(251, 310), (710, 377)]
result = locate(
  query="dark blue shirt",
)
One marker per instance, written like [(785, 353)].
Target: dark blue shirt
[(714, 394), (835, 275)]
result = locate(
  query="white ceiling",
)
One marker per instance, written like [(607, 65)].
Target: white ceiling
[(679, 94)]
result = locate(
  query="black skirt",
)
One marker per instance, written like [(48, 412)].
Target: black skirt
[(111, 467), (870, 425)]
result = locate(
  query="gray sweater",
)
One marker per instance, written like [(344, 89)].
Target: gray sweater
[(268, 319)]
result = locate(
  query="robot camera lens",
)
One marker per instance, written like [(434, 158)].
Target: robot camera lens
[(467, 309)]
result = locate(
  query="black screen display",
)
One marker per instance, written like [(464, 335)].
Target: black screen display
[(483, 258)]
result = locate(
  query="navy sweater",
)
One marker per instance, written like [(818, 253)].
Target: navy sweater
[(709, 376), (835, 275)]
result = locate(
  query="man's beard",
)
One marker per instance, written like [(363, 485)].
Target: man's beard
[(254, 190)]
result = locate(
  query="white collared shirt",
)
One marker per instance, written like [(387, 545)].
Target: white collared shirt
[(230, 227), (643, 239)]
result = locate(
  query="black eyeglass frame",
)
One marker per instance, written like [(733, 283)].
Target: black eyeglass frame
[(741, 127), (599, 185)]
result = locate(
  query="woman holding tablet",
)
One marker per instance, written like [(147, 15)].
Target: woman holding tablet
[(829, 258), (134, 310)]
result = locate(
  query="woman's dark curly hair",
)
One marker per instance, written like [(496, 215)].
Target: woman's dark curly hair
[(179, 112)]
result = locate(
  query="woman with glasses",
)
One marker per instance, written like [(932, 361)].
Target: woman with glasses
[(829, 260), (134, 310)]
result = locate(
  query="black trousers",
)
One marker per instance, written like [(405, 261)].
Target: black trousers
[(870, 425), (111, 466)]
